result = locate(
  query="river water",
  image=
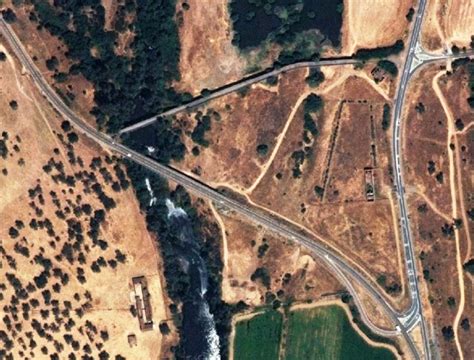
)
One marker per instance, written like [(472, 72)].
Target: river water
[(199, 336)]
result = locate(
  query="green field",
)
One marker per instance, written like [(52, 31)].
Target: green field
[(326, 333), (259, 337)]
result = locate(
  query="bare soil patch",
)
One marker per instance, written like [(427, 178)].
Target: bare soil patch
[(66, 283), (370, 24)]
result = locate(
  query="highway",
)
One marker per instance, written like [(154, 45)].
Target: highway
[(415, 313), (237, 86)]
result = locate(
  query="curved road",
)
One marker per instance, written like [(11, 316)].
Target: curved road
[(404, 321)]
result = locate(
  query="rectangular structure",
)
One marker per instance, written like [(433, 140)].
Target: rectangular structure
[(142, 303)]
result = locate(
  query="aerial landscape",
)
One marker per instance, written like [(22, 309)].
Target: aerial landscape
[(236, 179)]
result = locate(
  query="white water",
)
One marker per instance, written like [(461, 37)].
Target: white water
[(150, 190), (211, 334), (173, 210), (212, 337)]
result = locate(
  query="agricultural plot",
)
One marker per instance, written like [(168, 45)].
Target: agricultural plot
[(326, 333), (322, 332), (258, 337)]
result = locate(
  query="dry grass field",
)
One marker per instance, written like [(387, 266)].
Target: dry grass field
[(208, 59), (374, 23), (72, 237), (246, 120), (448, 23), (293, 273), (329, 195), (438, 179)]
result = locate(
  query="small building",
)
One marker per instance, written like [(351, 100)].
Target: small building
[(369, 184), (142, 303)]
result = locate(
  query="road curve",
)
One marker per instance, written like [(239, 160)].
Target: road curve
[(227, 89), (279, 226)]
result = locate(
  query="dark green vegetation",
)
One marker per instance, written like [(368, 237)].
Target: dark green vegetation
[(126, 89), (177, 281), (259, 337), (326, 333), (311, 105), (281, 21), (470, 70), (386, 117), (315, 77), (469, 266), (381, 52), (388, 66)]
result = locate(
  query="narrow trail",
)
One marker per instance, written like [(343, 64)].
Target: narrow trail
[(225, 255), (433, 206), (281, 137), (466, 128), (452, 182)]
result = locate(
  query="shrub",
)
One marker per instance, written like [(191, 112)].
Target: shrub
[(262, 149), (13, 104)]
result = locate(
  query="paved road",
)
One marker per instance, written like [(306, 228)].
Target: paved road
[(237, 86), (337, 263), (415, 313)]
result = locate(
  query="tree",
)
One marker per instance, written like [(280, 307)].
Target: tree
[(312, 103), (13, 232), (13, 104), (448, 333), (262, 149), (315, 77), (52, 63), (72, 137), (9, 16)]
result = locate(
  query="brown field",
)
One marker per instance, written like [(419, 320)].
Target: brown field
[(455, 89), (437, 267), (441, 252), (342, 216), (307, 279), (448, 23), (425, 140), (247, 120), (208, 59), (370, 24), (47, 306)]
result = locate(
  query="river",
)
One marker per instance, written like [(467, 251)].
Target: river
[(199, 336)]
